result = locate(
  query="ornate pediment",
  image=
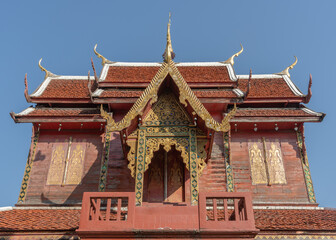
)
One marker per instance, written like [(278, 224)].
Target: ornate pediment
[(167, 111), (186, 97)]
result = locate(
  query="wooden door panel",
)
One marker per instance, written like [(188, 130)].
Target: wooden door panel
[(175, 183)]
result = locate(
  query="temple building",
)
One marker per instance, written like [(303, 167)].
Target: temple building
[(167, 150)]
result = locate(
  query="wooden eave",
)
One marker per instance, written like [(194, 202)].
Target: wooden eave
[(113, 100), (277, 119), (103, 84), (57, 119), (60, 100), (274, 100)]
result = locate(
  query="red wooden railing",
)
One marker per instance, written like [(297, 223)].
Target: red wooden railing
[(226, 210), (107, 210), (115, 213)]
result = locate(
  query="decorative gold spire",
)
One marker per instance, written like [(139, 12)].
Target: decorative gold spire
[(104, 60), (168, 53), (286, 72), (231, 59), (47, 73)]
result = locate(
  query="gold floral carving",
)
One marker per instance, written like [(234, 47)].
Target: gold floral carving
[(275, 166), (167, 111), (178, 131), (75, 166), (131, 156), (153, 145), (186, 94), (57, 165), (258, 168)]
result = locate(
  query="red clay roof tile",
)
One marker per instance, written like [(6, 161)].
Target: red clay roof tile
[(78, 89), (46, 112), (60, 88), (39, 219), (295, 219), (192, 74), (207, 74), (271, 112), (266, 88), (131, 74)]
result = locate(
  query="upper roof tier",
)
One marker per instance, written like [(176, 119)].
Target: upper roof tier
[(197, 72), (206, 79)]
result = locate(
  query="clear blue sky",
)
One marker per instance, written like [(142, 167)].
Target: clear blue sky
[(64, 33)]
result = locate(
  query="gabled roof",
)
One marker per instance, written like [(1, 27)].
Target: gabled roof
[(62, 87), (193, 72), (186, 96), (269, 86)]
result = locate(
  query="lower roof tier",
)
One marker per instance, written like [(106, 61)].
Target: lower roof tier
[(49, 114)]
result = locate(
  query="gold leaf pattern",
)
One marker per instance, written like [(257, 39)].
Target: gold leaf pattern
[(275, 166), (57, 165), (75, 165), (258, 168)]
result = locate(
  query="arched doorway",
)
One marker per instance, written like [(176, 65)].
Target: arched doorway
[(165, 179)]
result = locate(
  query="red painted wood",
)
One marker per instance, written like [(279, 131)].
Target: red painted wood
[(155, 219)]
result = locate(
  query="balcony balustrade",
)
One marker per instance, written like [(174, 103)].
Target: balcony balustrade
[(114, 215)]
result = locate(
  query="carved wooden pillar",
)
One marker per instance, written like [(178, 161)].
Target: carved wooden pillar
[(229, 173), (305, 166), (105, 158), (140, 166), (30, 161), (193, 166)]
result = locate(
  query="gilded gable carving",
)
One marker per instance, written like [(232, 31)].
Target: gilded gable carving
[(167, 111), (186, 96)]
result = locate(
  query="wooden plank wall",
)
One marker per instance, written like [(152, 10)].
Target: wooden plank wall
[(39, 192), (295, 189)]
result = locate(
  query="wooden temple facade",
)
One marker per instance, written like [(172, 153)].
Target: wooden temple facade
[(167, 150)]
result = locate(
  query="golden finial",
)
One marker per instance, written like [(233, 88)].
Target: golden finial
[(47, 73), (286, 72), (168, 53), (104, 60), (231, 59)]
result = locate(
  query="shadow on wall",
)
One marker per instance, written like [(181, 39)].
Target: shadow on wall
[(72, 194)]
